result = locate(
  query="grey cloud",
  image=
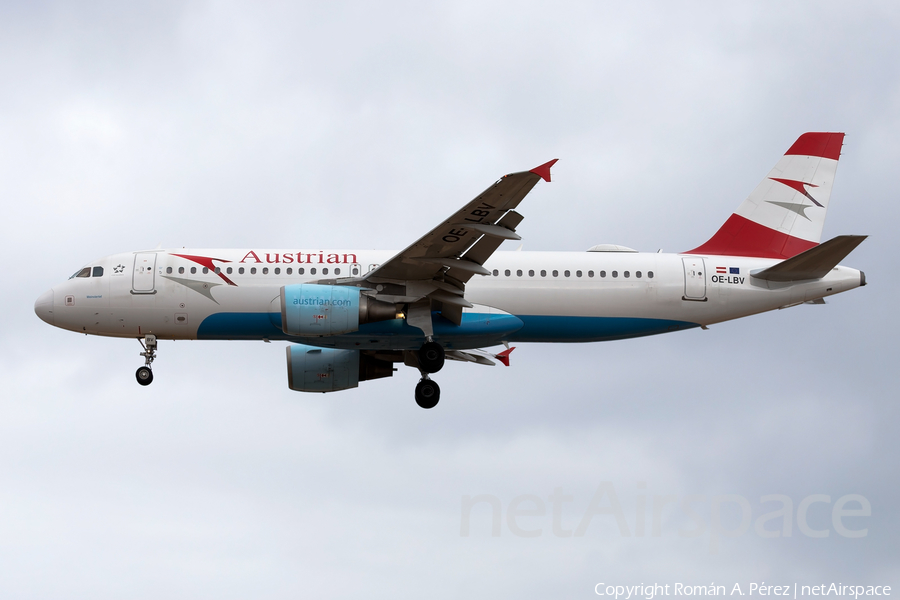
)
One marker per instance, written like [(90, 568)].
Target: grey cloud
[(357, 125)]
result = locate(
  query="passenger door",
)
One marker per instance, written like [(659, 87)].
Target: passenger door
[(144, 279), (694, 279)]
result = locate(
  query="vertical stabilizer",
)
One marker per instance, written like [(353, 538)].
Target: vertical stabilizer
[(785, 214)]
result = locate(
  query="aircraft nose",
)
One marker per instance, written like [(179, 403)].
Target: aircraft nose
[(43, 307)]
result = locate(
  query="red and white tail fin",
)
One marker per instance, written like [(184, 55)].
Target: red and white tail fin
[(786, 212)]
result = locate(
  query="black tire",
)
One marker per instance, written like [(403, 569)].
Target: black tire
[(431, 357), (144, 376), (428, 393)]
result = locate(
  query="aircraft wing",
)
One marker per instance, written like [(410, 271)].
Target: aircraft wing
[(446, 245)]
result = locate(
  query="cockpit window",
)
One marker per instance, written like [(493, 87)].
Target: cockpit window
[(85, 272), (97, 272)]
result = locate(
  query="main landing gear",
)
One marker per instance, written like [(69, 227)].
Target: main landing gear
[(144, 375), (431, 360), (431, 357), (428, 393)]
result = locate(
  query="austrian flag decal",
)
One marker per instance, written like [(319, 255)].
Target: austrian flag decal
[(729, 270)]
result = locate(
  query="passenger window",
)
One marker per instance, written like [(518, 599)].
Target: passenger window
[(626, 274), (180, 270), (637, 274), (289, 270), (602, 273), (337, 271), (240, 270), (577, 273), (168, 270), (355, 271), (324, 270), (531, 272), (506, 272), (253, 270), (301, 271), (85, 272), (519, 273), (312, 271), (590, 273), (543, 273), (566, 273), (218, 270), (265, 270), (615, 273), (555, 273), (228, 270), (650, 274), (277, 271), (193, 270), (205, 270), (496, 272)]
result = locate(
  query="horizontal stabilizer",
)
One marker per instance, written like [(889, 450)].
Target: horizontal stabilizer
[(815, 263)]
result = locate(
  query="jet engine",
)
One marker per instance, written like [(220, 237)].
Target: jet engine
[(313, 369), (309, 309)]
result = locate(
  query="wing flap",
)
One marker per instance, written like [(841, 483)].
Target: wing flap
[(469, 357)]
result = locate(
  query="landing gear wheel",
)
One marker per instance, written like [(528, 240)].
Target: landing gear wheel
[(431, 357), (144, 376), (427, 393)]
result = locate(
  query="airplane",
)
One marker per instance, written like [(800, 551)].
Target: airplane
[(351, 315)]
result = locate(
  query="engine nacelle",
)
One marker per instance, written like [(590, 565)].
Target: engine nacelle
[(313, 369), (309, 309)]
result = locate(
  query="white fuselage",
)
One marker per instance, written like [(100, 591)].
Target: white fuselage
[(558, 296)]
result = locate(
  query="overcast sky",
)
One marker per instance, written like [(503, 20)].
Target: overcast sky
[(363, 125)]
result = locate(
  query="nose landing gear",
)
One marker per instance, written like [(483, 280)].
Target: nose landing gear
[(144, 375)]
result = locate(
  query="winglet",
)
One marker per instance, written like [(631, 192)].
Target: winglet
[(504, 356), (544, 170)]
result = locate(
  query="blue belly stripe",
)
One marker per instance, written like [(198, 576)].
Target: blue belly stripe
[(476, 330), (592, 329), (241, 326)]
